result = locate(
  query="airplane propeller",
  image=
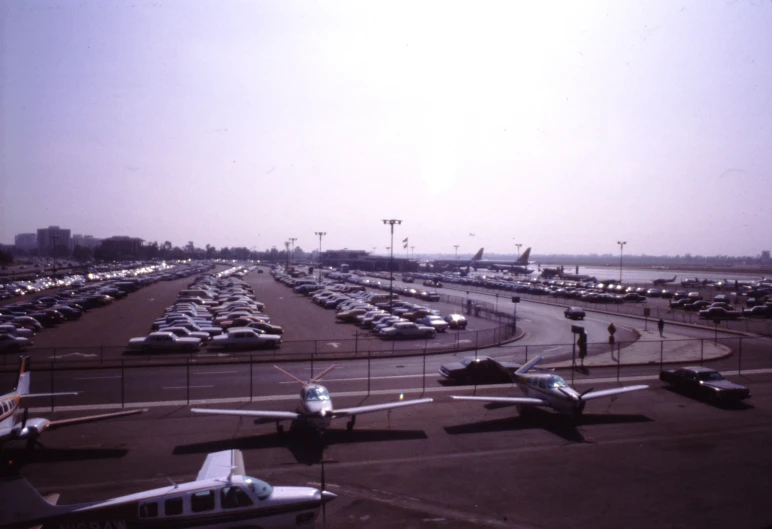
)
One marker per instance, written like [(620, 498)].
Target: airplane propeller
[(579, 399)]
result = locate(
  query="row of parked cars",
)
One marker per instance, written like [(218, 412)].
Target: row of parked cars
[(384, 314), (216, 311), (21, 320)]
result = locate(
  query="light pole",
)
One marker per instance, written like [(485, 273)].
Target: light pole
[(391, 222), (518, 249), (320, 234), (292, 257), (54, 238), (621, 248)]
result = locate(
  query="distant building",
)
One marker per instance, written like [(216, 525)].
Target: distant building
[(361, 260), (765, 257), (26, 241), (87, 241), (121, 246), (53, 235)]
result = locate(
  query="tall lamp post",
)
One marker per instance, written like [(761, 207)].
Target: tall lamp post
[(292, 257), (391, 223), (54, 238), (320, 234), (518, 249), (621, 248)]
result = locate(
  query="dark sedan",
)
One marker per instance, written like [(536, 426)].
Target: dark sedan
[(480, 370), (705, 383)]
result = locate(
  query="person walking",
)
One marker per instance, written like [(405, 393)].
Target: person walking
[(661, 327)]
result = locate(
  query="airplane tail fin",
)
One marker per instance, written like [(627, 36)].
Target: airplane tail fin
[(523, 259), (529, 365), (478, 255), (21, 504), (23, 381)]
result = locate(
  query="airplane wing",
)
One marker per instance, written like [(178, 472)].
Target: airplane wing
[(275, 415), (346, 412), (609, 392), (92, 418), (220, 465), (509, 400)]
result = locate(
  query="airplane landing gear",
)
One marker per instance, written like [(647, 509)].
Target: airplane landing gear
[(351, 423), (279, 428)]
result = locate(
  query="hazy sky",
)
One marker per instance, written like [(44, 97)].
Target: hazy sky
[(564, 126)]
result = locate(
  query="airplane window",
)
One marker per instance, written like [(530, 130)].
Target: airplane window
[(173, 506), (233, 497), (262, 489), (317, 394), (202, 501), (148, 510)]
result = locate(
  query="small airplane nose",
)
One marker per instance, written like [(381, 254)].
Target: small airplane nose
[(327, 496)]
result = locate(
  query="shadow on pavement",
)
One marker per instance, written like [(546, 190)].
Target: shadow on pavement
[(13, 458), (730, 405), (305, 444), (561, 425)]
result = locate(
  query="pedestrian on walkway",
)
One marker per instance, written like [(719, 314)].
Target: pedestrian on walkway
[(661, 327)]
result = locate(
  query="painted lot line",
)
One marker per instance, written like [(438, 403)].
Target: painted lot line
[(186, 387), (98, 378), (411, 391)]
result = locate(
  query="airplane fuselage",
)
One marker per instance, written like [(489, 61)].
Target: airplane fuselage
[(548, 388)]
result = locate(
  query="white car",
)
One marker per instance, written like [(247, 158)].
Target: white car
[(407, 329), (13, 330), (246, 338), (164, 341), (182, 332), (11, 344)]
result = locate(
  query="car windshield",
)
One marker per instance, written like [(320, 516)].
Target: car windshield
[(711, 375), (317, 393), (466, 361)]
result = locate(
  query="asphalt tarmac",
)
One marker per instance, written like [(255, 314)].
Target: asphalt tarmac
[(648, 458)]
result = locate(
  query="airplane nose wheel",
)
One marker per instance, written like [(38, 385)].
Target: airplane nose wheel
[(280, 429)]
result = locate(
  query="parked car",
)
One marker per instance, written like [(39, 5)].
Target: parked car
[(13, 330), (719, 313), (703, 382), (759, 311), (11, 344), (246, 338), (574, 313), (163, 341), (432, 320), (406, 330), (480, 370), (456, 321)]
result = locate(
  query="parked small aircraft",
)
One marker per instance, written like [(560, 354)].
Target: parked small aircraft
[(15, 423), (518, 267), (315, 408), (664, 281), (551, 391), (222, 496)]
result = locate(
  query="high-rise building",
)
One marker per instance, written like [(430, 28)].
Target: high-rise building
[(765, 257), (87, 241), (26, 241), (53, 235)]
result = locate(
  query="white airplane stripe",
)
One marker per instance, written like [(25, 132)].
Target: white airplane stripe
[(612, 391), (511, 400), (249, 413)]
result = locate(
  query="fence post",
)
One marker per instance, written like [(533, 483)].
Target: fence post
[(702, 349), (52, 385), (368, 372), (187, 386), (661, 354), (123, 383), (740, 358), (251, 376), (526, 355), (424, 377), (619, 359)]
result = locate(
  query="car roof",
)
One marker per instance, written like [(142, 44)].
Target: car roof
[(699, 369)]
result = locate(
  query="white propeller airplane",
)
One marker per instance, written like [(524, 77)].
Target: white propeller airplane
[(15, 423), (316, 406), (551, 391), (222, 496)]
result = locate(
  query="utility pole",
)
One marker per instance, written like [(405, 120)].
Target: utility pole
[(320, 234), (391, 223), (292, 257), (54, 238), (518, 249)]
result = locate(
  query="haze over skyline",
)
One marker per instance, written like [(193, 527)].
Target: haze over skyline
[(564, 126)]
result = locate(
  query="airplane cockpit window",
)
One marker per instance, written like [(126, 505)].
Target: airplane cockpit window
[(148, 510), (234, 497), (261, 489), (317, 394), (556, 382), (202, 501)]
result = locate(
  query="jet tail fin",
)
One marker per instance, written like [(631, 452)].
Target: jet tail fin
[(523, 259), (529, 365), (478, 255), (20, 503)]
